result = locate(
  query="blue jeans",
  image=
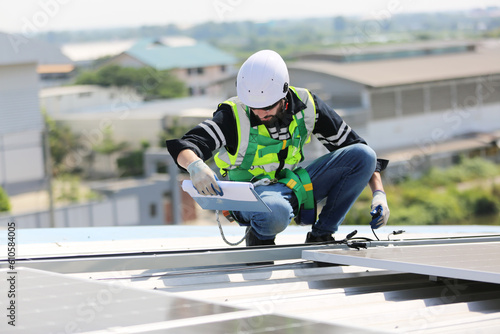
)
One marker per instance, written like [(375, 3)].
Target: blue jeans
[(339, 176)]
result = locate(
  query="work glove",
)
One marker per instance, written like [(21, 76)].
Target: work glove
[(203, 178), (380, 210)]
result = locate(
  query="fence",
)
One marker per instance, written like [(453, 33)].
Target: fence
[(123, 211)]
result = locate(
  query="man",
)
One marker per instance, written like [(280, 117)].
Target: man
[(260, 135)]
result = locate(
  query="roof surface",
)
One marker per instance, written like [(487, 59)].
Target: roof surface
[(197, 106), (11, 47), (391, 72), (18, 49), (163, 57), (458, 144), (387, 49), (58, 68)]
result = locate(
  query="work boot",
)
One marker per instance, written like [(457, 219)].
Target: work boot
[(252, 240), (310, 238)]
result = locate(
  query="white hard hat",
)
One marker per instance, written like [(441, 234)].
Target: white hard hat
[(262, 79)]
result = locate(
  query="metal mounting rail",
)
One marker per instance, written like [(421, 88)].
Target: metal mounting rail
[(176, 259), (437, 240), (163, 259)]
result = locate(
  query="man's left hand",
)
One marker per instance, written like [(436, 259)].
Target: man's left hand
[(380, 199)]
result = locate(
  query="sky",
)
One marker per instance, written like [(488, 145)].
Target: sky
[(31, 16)]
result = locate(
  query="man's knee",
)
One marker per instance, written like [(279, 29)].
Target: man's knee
[(277, 220), (366, 157), (364, 151)]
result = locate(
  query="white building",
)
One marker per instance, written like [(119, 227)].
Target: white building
[(21, 125)]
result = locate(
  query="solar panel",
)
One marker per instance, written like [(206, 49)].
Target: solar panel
[(54, 303), (472, 261)]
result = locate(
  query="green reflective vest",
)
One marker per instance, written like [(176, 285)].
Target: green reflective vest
[(256, 156)]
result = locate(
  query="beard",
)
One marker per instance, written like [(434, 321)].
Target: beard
[(275, 119), (270, 122)]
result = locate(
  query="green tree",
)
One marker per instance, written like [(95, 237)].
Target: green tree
[(4, 201), (108, 145), (151, 83), (456, 195), (132, 163), (61, 143), (175, 131)]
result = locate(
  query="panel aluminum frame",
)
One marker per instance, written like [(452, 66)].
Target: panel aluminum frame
[(162, 259), (471, 261)]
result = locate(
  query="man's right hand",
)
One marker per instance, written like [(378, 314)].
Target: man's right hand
[(203, 178)]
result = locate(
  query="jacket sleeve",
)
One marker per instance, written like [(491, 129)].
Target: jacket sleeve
[(331, 130), (208, 136)]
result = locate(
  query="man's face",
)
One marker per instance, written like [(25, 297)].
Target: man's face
[(268, 115)]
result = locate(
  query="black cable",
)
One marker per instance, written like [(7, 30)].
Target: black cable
[(348, 241), (356, 245), (395, 233)]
